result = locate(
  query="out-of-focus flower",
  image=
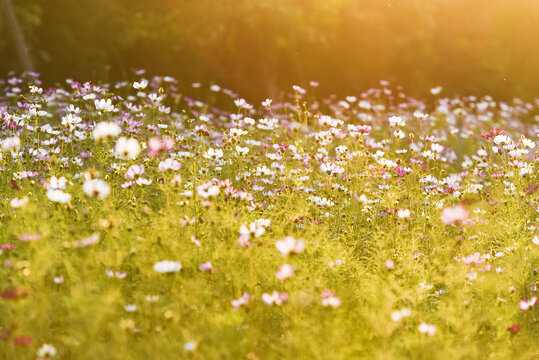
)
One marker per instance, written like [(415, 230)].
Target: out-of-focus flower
[(169, 164), (242, 300), (398, 315), (525, 304), (403, 214), (58, 196), (167, 266), (157, 145), (207, 266), (474, 259), (329, 299), (11, 143), (96, 187), (46, 351), (92, 239), (290, 244), (127, 148), (275, 297), (106, 129), (453, 214), (284, 272), (17, 203), (190, 346), (427, 329)]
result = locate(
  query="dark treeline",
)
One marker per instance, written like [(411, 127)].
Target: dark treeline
[(260, 47)]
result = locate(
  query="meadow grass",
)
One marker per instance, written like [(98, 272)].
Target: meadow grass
[(377, 202)]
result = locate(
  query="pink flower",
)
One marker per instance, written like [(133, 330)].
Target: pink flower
[(205, 267), (329, 299), (525, 304), (134, 171), (159, 144), (474, 259), (275, 297), (453, 214), (284, 272), (242, 300), (169, 164)]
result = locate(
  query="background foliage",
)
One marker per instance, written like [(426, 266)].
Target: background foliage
[(260, 47)]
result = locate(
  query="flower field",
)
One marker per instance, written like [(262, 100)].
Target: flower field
[(137, 222)]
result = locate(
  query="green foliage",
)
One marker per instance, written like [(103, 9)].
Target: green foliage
[(261, 47)]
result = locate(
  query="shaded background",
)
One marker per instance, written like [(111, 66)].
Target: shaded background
[(260, 47)]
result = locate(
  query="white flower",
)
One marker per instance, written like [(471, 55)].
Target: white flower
[(190, 346), (71, 121), (242, 150), (213, 154), (428, 329), (167, 266), (17, 203), (46, 350), (527, 143), (285, 271), (96, 187), (396, 121), (403, 214), (11, 143), (90, 240), (290, 244), (106, 129), (169, 164), (105, 105), (140, 85), (57, 183), (58, 196), (398, 315), (127, 148)]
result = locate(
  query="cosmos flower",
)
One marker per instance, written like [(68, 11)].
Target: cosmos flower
[(277, 298), (474, 259), (17, 203), (453, 214), (167, 266), (58, 196), (284, 272), (91, 240), (104, 105), (105, 130), (427, 329), (46, 351), (169, 164), (329, 299), (11, 143), (290, 245), (97, 188), (242, 300), (127, 148), (526, 304)]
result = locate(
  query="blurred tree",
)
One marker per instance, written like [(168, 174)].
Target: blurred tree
[(258, 48)]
